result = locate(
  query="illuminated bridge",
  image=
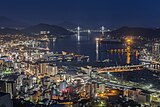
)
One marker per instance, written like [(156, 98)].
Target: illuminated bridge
[(120, 68), (79, 30)]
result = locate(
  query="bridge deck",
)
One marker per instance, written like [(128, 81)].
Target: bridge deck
[(120, 68)]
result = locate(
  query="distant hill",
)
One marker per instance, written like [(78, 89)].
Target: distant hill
[(54, 30), (9, 23), (136, 31), (70, 25), (5, 31), (35, 30)]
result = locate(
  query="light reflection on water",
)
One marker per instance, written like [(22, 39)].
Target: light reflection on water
[(87, 45)]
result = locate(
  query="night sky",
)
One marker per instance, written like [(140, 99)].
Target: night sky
[(111, 13)]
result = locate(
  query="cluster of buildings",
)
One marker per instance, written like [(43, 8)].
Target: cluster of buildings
[(142, 97), (30, 73), (150, 56)]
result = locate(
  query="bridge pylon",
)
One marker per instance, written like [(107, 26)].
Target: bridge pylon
[(102, 30), (78, 30)]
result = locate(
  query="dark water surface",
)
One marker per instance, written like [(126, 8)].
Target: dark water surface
[(86, 44)]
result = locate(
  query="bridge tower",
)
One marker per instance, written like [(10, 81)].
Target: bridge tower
[(89, 31), (102, 30), (78, 30), (78, 33)]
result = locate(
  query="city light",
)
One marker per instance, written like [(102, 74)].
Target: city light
[(86, 61), (129, 40)]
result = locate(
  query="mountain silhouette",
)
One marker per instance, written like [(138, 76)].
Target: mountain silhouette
[(54, 29), (136, 31), (9, 23)]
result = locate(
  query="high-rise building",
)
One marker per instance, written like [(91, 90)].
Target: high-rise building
[(8, 87), (62, 86), (156, 49), (44, 32), (52, 69), (43, 69), (88, 89), (102, 87), (93, 88)]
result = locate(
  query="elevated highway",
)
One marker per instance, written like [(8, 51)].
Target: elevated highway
[(121, 68)]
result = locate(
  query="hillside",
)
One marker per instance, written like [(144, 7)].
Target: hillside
[(71, 25), (136, 31), (5, 31), (9, 23), (54, 30)]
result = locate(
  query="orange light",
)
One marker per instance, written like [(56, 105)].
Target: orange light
[(129, 40), (113, 91)]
